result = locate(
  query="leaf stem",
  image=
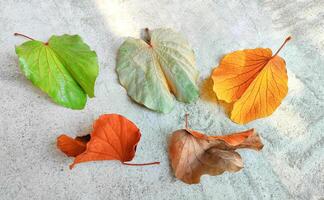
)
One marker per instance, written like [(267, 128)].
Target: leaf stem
[(186, 120), (287, 39), (147, 36), (141, 164), (19, 34)]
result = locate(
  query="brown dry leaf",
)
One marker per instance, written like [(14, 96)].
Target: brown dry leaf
[(194, 154), (254, 80)]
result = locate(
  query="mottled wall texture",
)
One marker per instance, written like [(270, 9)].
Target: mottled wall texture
[(291, 165)]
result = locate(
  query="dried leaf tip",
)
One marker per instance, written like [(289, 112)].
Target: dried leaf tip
[(283, 44)]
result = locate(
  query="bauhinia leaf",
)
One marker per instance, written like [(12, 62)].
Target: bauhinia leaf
[(254, 80), (194, 154), (113, 138), (151, 70), (64, 67)]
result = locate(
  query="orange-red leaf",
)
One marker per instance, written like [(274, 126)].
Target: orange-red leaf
[(254, 80), (194, 154), (113, 138)]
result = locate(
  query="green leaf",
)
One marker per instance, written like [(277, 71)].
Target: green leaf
[(64, 67), (154, 70)]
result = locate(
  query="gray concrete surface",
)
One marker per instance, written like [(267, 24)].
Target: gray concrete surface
[(291, 166)]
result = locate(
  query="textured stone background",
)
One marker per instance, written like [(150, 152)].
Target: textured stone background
[(291, 166)]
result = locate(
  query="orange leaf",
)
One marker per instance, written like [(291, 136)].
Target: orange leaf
[(254, 80), (113, 138), (194, 154)]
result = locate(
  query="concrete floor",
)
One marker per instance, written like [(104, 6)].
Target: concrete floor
[(291, 165)]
